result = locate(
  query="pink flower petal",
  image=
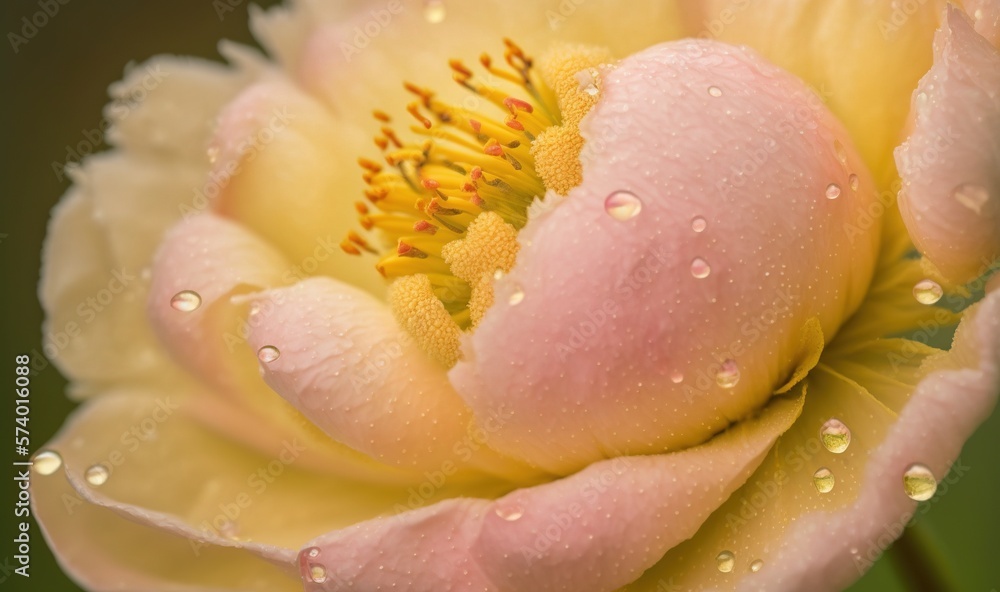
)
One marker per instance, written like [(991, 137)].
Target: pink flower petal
[(671, 333), (596, 530), (951, 162), (337, 354)]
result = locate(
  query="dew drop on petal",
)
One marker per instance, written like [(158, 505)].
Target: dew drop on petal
[(971, 196), (715, 91), (919, 482), (313, 552), (516, 297), (699, 224), (854, 182), (835, 435), (498, 274), (927, 292), (510, 513), (434, 11), (832, 191), (97, 475), (677, 377), (186, 301), (46, 462), (700, 268), (728, 375), (839, 150), (623, 205), (317, 573), (756, 565), (725, 561), (268, 354), (823, 480)]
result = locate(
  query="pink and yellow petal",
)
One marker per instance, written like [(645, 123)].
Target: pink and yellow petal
[(738, 244), (831, 47), (951, 162), (580, 532), (338, 356)]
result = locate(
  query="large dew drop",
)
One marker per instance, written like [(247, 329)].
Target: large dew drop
[(46, 462), (919, 482), (927, 292), (725, 561), (268, 354), (832, 191), (97, 475), (728, 375), (510, 513), (700, 269), (623, 205), (823, 480), (516, 297), (835, 435), (186, 301), (756, 565)]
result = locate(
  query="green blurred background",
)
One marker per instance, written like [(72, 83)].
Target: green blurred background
[(56, 86)]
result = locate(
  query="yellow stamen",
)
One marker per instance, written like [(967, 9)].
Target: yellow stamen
[(451, 204)]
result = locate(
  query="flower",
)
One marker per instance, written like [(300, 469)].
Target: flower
[(697, 362)]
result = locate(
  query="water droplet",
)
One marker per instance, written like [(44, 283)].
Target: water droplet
[(854, 182), (725, 561), (728, 375), (516, 297), (823, 480), (498, 274), (591, 89), (927, 292), (186, 301), (839, 150), (268, 354), (317, 573), (756, 565), (313, 552), (46, 462), (623, 205), (715, 91), (434, 11), (97, 475), (832, 191), (919, 482), (699, 224), (510, 513), (677, 377), (835, 435), (700, 268), (971, 196)]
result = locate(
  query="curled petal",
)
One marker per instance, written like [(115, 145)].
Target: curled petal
[(697, 256), (951, 162), (338, 355), (595, 530)]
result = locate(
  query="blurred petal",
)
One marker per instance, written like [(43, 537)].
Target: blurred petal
[(342, 360), (283, 170), (830, 46), (951, 162), (595, 530), (671, 332)]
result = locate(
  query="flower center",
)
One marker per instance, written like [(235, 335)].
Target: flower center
[(451, 203)]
